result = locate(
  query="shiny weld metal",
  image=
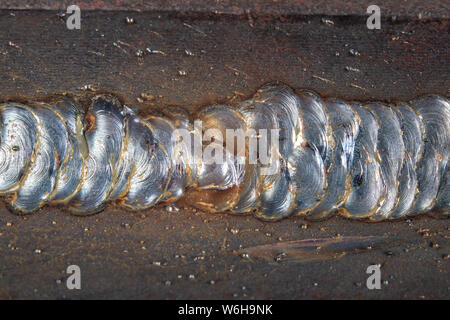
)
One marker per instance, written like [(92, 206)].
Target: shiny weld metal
[(373, 161)]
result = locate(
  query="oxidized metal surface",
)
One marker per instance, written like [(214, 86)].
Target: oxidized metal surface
[(163, 254), (377, 161)]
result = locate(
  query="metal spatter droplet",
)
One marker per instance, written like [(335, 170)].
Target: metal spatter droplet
[(291, 153)]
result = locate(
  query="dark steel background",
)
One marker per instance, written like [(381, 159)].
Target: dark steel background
[(236, 48)]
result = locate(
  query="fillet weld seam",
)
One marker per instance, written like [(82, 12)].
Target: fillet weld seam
[(372, 161)]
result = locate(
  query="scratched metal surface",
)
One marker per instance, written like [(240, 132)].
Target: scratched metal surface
[(410, 8), (156, 254)]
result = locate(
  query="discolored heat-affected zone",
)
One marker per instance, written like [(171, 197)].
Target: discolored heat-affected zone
[(371, 161)]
